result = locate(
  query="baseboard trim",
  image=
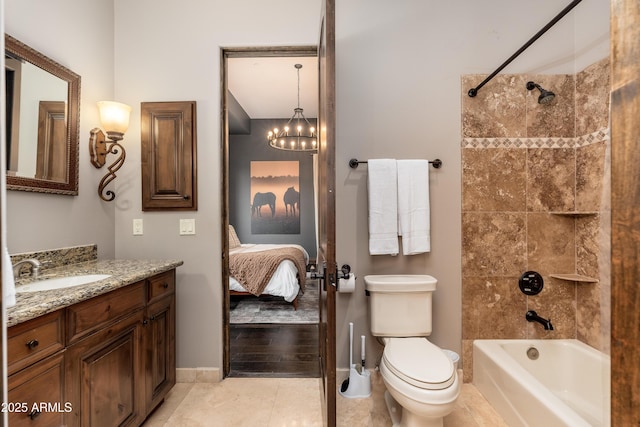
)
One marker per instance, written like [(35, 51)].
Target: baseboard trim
[(198, 375)]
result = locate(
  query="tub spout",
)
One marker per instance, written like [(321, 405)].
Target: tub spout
[(532, 316)]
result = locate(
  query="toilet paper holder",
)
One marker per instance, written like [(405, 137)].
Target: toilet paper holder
[(343, 273)]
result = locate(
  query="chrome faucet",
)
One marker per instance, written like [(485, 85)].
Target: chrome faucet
[(532, 316), (35, 267)]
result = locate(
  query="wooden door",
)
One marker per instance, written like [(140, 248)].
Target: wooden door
[(52, 155), (326, 210)]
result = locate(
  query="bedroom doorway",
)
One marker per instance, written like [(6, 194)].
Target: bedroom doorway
[(266, 336)]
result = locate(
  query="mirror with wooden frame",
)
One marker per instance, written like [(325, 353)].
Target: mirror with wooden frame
[(42, 122)]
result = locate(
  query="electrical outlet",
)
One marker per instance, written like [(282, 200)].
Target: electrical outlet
[(137, 227), (187, 226)]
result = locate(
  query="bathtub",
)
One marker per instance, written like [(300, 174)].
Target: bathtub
[(567, 385)]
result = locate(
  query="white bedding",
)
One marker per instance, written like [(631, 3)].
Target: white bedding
[(284, 282)]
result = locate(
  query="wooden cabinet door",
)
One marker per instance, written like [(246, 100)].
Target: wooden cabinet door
[(168, 137), (160, 350), (36, 396), (104, 371)]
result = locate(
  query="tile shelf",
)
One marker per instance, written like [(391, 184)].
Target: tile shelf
[(574, 278), (575, 213)]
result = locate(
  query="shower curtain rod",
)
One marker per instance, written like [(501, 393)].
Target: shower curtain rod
[(474, 91)]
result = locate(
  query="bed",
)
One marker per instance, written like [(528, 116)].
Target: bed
[(266, 269)]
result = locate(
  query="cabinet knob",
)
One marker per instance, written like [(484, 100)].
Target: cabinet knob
[(186, 197), (145, 321), (152, 318), (34, 414), (165, 285), (32, 344)]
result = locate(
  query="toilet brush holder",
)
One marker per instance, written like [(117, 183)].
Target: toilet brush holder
[(359, 384)]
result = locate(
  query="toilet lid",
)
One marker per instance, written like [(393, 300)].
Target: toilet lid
[(419, 363)]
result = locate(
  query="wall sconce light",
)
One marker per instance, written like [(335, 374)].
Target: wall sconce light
[(115, 120)]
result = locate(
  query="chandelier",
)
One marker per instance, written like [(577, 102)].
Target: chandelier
[(297, 134)]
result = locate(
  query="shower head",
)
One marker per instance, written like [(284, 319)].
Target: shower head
[(546, 96)]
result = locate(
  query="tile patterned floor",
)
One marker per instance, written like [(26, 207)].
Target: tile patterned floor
[(260, 402)]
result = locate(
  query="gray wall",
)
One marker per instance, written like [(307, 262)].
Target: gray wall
[(37, 221), (246, 148)]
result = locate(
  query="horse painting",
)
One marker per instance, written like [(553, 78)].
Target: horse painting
[(261, 199), (291, 201)]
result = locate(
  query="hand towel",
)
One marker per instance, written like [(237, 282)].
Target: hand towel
[(383, 211), (413, 206), (8, 284)]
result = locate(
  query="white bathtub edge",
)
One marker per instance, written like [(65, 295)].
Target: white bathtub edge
[(502, 382)]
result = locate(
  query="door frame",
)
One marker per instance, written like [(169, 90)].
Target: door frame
[(225, 54)]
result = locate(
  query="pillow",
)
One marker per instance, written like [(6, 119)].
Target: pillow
[(234, 242)]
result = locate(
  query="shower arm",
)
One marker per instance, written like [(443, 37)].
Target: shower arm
[(474, 91)]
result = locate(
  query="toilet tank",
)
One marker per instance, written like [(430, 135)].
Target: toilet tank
[(400, 304)]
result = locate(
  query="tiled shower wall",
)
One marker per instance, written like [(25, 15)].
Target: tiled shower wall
[(535, 197)]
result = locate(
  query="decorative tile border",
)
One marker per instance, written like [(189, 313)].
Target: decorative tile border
[(581, 141)]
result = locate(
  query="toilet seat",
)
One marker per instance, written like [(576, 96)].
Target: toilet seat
[(419, 363)]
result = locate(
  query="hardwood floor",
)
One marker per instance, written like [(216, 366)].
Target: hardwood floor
[(274, 350)]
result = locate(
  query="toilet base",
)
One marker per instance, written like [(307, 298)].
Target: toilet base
[(403, 418)]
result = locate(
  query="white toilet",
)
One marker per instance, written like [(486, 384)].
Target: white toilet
[(422, 382)]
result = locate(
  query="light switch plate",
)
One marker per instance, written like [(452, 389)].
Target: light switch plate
[(137, 227), (187, 227)]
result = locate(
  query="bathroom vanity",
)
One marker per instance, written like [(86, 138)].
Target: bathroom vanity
[(101, 353)]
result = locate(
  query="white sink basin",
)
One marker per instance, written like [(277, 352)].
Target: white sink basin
[(61, 282)]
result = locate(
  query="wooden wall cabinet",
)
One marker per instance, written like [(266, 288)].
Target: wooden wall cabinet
[(107, 361), (168, 138)]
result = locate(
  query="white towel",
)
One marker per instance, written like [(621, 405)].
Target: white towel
[(413, 206), (8, 285), (383, 208)]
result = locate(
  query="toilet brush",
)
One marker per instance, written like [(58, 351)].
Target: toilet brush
[(345, 383)]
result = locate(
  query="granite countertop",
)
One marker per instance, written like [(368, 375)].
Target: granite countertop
[(30, 305)]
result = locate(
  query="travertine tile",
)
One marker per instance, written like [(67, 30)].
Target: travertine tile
[(551, 246), (592, 97), (494, 179), (493, 244), (295, 402), (467, 359), (589, 177), (588, 315), (565, 146), (472, 409), (494, 307), (556, 119), (171, 402), (588, 244), (497, 109), (556, 302), (551, 179)]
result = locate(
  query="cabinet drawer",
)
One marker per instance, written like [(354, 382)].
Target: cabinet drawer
[(161, 285), (88, 316), (37, 394), (36, 339)]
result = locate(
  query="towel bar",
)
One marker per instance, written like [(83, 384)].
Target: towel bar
[(353, 163)]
